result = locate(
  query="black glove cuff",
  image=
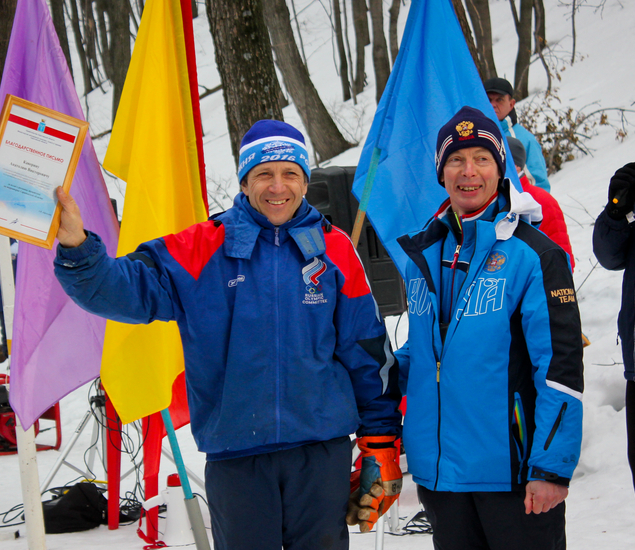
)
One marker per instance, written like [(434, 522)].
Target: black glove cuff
[(617, 213)]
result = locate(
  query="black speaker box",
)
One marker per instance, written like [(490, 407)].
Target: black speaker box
[(330, 191)]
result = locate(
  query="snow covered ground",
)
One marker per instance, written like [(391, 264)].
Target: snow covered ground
[(601, 505)]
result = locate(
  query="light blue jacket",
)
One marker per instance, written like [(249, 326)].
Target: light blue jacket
[(535, 163), (499, 401)]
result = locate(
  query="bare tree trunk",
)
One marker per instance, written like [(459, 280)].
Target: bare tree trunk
[(79, 45), (57, 14), (7, 13), (324, 135), (523, 30), (297, 28), (194, 9), (349, 54), (537, 40), (380, 49), (393, 39), (90, 34), (346, 86), (540, 31), (245, 63), (573, 10), (118, 47), (362, 39), (481, 22), (467, 33)]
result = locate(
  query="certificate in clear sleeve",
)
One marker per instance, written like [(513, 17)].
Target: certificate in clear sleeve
[(39, 151)]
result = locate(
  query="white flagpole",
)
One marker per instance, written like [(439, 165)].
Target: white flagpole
[(29, 477)]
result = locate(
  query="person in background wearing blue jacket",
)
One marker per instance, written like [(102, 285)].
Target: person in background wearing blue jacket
[(493, 364), (286, 353), (501, 95), (614, 247)]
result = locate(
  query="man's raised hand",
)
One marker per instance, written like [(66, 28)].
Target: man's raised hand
[(71, 230)]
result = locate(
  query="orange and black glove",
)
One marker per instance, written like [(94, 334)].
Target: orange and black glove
[(377, 485)]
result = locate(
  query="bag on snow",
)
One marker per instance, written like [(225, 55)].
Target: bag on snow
[(80, 508)]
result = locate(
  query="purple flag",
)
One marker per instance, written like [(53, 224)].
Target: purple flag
[(56, 345)]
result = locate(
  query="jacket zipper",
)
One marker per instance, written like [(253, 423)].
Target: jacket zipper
[(436, 482), (556, 425), (453, 268), (277, 320), (455, 260)]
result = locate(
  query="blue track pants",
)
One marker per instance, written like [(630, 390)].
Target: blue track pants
[(293, 499)]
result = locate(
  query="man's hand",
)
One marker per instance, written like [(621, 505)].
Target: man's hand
[(542, 496), (379, 481), (364, 510), (622, 192), (71, 231)]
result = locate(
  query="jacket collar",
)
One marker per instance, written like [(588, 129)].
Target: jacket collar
[(243, 225), (510, 207)]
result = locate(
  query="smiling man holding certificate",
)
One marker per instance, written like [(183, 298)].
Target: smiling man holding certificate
[(286, 353)]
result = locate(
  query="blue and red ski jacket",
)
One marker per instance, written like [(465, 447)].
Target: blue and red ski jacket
[(282, 338)]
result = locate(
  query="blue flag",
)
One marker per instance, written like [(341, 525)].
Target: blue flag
[(433, 77)]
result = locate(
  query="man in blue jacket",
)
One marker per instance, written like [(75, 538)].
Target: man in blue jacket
[(493, 363), (285, 351), (501, 95)]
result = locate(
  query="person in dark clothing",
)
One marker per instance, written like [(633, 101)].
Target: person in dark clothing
[(614, 247)]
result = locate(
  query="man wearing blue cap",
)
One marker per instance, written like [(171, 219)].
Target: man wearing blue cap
[(493, 364), (285, 351)]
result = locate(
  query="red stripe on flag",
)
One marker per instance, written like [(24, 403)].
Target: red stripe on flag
[(34, 125), (190, 52)]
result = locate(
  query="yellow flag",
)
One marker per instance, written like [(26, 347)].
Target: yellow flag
[(153, 148)]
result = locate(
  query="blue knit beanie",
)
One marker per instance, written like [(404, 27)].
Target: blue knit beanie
[(269, 141), (469, 128)]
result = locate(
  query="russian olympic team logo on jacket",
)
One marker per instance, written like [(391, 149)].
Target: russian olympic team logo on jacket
[(311, 274)]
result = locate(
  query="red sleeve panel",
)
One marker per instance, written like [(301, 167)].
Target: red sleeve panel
[(339, 249), (194, 247), (553, 224)]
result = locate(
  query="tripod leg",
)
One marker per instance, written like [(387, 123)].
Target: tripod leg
[(64, 453)]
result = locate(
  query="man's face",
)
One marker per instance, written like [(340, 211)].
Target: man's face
[(276, 189), (471, 178), (502, 103)]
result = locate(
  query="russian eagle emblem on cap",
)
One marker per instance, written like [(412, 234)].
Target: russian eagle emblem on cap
[(465, 128)]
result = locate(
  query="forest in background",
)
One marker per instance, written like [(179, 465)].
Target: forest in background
[(261, 60)]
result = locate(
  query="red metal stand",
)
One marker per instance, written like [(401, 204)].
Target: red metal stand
[(7, 426), (113, 454)]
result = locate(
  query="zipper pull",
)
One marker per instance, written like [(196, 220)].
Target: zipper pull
[(456, 256), (277, 239), (438, 371)]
